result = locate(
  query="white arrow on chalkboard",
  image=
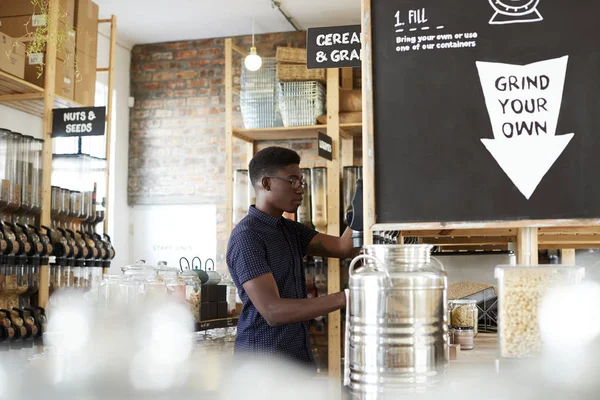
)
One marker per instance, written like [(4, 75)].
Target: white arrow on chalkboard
[(523, 102)]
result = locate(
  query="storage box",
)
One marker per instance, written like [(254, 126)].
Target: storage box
[(12, 56), (290, 55), (19, 8), (65, 74), (20, 27), (297, 72), (222, 309), (85, 81), (522, 289), (86, 24)]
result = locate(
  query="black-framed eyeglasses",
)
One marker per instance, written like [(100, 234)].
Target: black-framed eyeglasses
[(296, 183)]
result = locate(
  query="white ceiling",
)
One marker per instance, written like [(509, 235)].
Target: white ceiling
[(154, 21)]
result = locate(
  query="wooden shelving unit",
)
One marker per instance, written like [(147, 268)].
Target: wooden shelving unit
[(24, 96)]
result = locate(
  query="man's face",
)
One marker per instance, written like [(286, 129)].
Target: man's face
[(283, 194)]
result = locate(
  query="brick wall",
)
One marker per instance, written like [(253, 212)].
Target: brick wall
[(177, 127)]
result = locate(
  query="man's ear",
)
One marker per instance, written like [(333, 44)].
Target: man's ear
[(266, 183)]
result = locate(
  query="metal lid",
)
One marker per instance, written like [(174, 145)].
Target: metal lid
[(463, 301)]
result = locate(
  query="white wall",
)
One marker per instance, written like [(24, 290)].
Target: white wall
[(21, 122), (157, 238), (118, 209)]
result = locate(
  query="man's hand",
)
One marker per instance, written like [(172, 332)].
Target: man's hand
[(330, 246)]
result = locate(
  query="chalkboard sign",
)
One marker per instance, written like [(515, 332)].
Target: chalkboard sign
[(486, 110), (84, 121), (333, 47)]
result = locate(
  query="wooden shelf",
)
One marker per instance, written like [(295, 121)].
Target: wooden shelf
[(281, 133), (293, 132), (352, 129), (24, 96)]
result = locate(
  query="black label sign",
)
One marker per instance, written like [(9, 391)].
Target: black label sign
[(85, 121), (333, 47), (325, 146)]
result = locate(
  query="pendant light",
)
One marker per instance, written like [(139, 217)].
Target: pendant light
[(253, 61)]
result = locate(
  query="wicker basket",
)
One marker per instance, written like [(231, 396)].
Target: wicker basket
[(291, 55), (301, 103), (297, 72)]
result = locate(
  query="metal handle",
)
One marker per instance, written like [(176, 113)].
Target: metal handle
[(439, 263), (368, 256)]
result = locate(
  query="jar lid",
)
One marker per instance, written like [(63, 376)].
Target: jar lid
[(463, 301), (461, 328), (189, 273)]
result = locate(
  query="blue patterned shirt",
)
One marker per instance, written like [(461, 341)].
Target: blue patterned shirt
[(262, 244)]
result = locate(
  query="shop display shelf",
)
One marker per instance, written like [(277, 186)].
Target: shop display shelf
[(27, 97)]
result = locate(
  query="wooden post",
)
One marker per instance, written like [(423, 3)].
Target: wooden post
[(527, 246), (333, 217), (109, 112), (368, 126), (567, 256), (228, 136), (49, 94), (347, 79), (347, 154)]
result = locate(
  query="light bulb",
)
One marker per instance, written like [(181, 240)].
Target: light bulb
[(253, 61)]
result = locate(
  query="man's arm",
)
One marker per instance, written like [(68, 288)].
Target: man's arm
[(276, 311), (330, 246)]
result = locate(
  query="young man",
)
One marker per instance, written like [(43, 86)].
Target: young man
[(264, 257)]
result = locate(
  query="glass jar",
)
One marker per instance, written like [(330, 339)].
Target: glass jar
[(4, 166), (12, 178), (115, 291), (319, 198), (38, 175), (521, 291), (55, 278), (76, 199), (350, 177), (139, 271), (174, 283), (231, 294), (463, 313), (26, 174), (96, 277), (193, 288), (304, 213), (464, 336)]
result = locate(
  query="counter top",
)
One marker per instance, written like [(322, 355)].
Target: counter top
[(485, 351)]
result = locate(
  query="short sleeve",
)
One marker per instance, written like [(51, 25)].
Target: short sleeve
[(246, 257), (305, 235)]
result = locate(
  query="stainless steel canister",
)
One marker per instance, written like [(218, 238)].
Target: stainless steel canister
[(397, 331)]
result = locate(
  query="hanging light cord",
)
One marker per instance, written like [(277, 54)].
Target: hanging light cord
[(277, 5)]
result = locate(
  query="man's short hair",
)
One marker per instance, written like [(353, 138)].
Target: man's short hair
[(269, 161)]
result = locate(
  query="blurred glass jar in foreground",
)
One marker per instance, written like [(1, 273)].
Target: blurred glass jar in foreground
[(231, 294), (174, 283), (522, 289), (192, 292)]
